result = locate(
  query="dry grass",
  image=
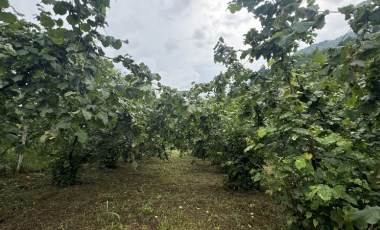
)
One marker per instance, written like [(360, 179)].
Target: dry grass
[(180, 194)]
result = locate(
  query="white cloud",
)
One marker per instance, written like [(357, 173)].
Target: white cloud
[(335, 24), (180, 77), (176, 38)]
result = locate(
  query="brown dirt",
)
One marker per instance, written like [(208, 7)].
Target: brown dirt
[(159, 195)]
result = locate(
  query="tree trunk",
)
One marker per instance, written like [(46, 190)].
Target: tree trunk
[(24, 134)]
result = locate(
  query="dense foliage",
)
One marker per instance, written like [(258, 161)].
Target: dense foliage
[(58, 88), (304, 128)]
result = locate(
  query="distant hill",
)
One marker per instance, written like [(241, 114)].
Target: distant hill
[(325, 44)]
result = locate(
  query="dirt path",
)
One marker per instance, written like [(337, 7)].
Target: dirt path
[(178, 194)]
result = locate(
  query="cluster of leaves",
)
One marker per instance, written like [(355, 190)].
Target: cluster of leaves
[(58, 88), (305, 129), (219, 128)]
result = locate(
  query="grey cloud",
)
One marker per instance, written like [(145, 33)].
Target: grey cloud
[(200, 44), (181, 77), (231, 20), (171, 45), (176, 38), (199, 34), (173, 9)]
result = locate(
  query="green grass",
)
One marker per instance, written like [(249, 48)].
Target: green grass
[(33, 161), (180, 194)]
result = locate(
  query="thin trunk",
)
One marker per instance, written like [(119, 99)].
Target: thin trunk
[(24, 134), (72, 150)]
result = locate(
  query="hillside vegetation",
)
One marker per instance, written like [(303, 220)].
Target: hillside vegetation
[(327, 44)]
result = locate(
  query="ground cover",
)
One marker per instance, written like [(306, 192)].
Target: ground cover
[(183, 193)]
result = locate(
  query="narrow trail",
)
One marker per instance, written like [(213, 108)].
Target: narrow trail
[(182, 193)]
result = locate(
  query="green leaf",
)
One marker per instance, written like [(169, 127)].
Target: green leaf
[(3, 84), (7, 17), (328, 140), (344, 144), (60, 8), (63, 125), (48, 2), (249, 148), (192, 109), (257, 177), (103, 10), (301, 27), (262, 132), (300, 164), (110, 40), (71, 35), (277, 25), (117, 44), (12, 137), (86, 114), (103, 92), (82, 136), (46, 110), (347, 11), (103, 116), (60, 32), (58, 40), (325, 192), (63, 85), (49, 57), (279, 34), (17, 78), (85, 27), (134, 164), (70, 93), (9, 50), (72, 20), (234, 7), (47, 21), (49, 135), (4, 4), (319, 58), (315, 222), (351, 101), (359, 63), (369, 215), (145, 88), (104, 40), (301, 131), (284, 40), (271, 129)]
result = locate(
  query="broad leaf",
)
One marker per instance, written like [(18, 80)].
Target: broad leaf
[(82, 136)]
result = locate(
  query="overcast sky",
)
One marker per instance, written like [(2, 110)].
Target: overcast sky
[(175, 38)]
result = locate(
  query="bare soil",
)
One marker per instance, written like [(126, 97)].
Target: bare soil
[(182, 193)]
